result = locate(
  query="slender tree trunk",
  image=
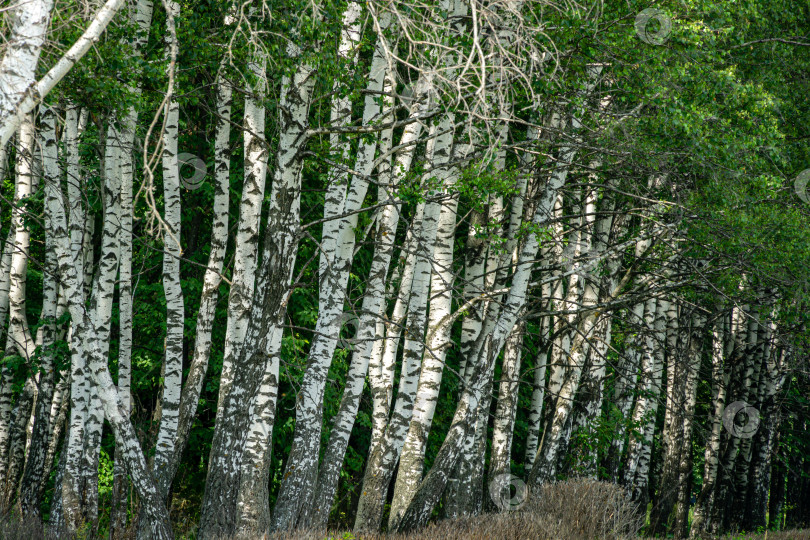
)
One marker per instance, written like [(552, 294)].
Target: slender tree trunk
[(283, 230), (741, 384), (538, 390), (211, 281), (18, 69), (141, 15), (247, 234), (438, 333), (369, 335), (776, 493), (762, 466), (695, 352), (383, 458), (12, 450), (31, 486), (88, 341), (238, 471), (721, 335), (504, 421), (636, 473), (298, 489)]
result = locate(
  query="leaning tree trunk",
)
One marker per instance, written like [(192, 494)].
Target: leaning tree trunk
[(31, 485), (487, 350), (383, 455), (236, 489), (87, 342), (438, 334), (383, 458), (369, 339)]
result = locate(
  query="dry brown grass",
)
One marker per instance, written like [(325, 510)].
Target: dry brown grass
[(12, 528), (571, 510), (575, 509), (772, 535)]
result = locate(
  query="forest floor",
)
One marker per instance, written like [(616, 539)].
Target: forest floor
[(568, 510), (495, 529), (506, 526)]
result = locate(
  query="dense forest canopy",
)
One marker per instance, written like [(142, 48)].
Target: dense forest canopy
[(281, 265)]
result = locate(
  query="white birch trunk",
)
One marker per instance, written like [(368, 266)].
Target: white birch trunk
[(31, 485), (381, 456), (175, 309), (504, 421), (705, 498), (379, 470), (538, 393), (438, 335), (87, 339), (370, 329), (26, 37), (141, 15), (640, 446), (236, 497), (247, 234), (336, 250), (434, 483), (211, 281), (18, 337), (103, 290)]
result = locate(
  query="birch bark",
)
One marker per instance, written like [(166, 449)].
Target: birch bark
[(19, 337), (235, 495), (281, 246), (141, 16), (368, 337), (31, 485), (382, 459), (636, 475), (212, 279), (247, 235), (89, 342), (437, 336), (337, 247), (175, 307), (434, 483), (376, 478)]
